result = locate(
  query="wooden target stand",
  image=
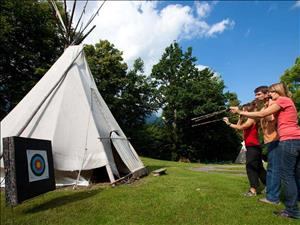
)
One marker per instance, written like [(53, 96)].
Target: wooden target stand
[(28, 165)]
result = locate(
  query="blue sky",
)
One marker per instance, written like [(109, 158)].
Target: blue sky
[(263, 43), (249, 43)]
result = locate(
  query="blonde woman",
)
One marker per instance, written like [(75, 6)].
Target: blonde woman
[(289, 143)]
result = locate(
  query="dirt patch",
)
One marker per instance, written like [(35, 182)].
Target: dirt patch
[(235, 170)]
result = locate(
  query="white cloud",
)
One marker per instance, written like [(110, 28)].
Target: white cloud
[(201, 67), (204, 8), (297, 4), (143, 29), (220, 27)]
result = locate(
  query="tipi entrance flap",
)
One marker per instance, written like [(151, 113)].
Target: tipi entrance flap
[(124, 150)]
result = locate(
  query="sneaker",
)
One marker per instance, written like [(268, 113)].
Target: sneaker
[(250, 194), (284, 214), (265, 200)]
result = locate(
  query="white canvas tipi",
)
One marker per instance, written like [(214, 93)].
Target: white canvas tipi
[(66, 108)]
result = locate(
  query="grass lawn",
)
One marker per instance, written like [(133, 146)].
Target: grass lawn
[(183, 196)]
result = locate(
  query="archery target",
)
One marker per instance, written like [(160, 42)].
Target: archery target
[(37, 165)]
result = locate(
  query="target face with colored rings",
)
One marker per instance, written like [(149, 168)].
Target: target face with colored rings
[(37, 164)]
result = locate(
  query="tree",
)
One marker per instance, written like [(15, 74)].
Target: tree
[(137, 98), (214, 141), (128, 95), (170, 76), (153, 141), (291, 78), (109, 71), (29, 45), (232, 99), (185, 93)]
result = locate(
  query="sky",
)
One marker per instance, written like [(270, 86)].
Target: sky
[(248, 43)]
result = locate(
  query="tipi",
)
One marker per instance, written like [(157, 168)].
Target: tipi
[(66, 108), (241, 158)]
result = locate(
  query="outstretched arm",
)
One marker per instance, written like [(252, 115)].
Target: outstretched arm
[(239, 122), (238, 126), (271, 117), (259, 114)]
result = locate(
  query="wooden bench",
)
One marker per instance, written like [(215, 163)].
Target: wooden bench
[(159, 172)]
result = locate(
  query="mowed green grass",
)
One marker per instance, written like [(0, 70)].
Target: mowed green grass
[(183, 196)]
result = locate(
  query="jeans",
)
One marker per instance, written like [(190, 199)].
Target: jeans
[(290, 175), (273, 172), (254, 166)]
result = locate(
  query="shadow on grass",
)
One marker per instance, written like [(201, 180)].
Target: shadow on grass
[(62, 200)]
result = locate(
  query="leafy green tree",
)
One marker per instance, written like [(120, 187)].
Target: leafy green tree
[(29, 45), (291, 78), (109, 71), (213, 141), (153, 141), (129, 95), (185, 93), (170, 76), (137, 98), (232, 99)]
